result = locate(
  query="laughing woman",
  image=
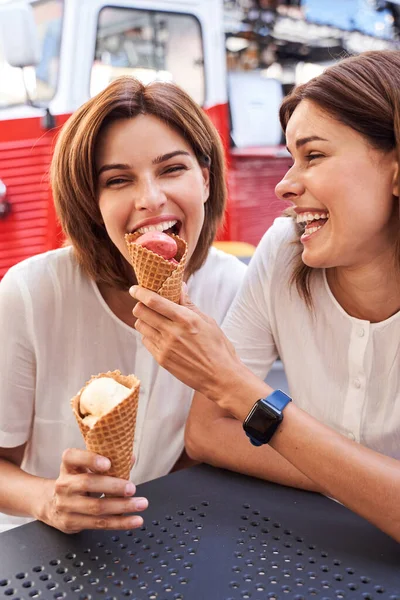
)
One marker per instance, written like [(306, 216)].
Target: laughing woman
[(133, 157), (323, 292)]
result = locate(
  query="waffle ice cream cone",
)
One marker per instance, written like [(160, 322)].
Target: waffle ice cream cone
[(112, 435), (155, 272)]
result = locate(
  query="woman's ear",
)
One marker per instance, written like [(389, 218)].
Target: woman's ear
[(396, 190), (206, 179)]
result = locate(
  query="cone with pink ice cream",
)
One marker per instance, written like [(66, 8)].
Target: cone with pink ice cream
[(158, 260), (105, 409)]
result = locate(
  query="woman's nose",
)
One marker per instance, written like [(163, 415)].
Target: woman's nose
[(289, 188), (149, 196)]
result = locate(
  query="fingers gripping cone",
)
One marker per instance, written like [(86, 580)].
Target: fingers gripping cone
[(155, 272), (112, 435)]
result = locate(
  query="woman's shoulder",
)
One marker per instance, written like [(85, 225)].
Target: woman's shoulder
[(281, 233), (220, 259), (220, 268), (55, 268), (277, 248), (39, 262)]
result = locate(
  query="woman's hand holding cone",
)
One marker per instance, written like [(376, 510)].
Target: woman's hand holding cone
[(69, 505)]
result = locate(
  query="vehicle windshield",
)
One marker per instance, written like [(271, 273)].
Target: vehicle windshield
[(40, 81), (149, 45)]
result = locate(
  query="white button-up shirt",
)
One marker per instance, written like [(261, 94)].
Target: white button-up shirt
[(342, 370)]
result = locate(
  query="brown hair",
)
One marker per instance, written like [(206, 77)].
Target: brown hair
[(362, 92), (74, 179)]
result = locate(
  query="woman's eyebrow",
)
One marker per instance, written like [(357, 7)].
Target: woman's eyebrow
[(113, 166), (311, 138), (169, 155), (156, 161)]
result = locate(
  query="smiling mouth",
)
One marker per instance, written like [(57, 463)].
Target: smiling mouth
[(168, 227), (312, 222)]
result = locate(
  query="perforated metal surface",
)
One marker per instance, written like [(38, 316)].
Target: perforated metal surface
[(209, 535)]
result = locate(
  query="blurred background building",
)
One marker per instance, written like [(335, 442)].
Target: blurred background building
[(293, 40)]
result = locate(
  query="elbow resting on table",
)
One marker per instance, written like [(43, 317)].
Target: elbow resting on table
[(195, 444)]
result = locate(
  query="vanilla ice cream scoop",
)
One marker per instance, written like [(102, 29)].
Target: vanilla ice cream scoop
[(100, 397)]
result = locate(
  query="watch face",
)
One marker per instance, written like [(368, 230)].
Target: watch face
[(262, 418), (265, 416), (262, 422)]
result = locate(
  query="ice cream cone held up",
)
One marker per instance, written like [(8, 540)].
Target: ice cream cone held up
[(158, 260), (105, 409)]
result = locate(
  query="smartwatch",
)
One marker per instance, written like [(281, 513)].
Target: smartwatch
[(265, 416)]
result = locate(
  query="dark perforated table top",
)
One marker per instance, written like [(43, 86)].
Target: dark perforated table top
[(209, 535)]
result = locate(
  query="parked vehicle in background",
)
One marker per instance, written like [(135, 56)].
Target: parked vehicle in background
[(235, 58)]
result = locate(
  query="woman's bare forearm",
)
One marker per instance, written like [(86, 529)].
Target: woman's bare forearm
[(219, 440), (21, 494), (350, 472)]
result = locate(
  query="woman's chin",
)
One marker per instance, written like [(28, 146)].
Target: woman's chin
[(314, 260)]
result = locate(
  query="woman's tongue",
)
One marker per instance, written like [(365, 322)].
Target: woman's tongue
[(316, 223)]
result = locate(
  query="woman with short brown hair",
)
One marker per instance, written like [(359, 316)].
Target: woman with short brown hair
[(135, 158), (74, 180)]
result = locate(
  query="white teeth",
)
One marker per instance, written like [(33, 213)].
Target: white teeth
[(308, 217), (311, 230), (159, 227)]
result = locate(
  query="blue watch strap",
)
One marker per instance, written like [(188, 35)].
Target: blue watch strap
[(278, 399), (254, 441)]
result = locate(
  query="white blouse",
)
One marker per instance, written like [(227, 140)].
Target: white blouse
[(343, 371), (57, 331)]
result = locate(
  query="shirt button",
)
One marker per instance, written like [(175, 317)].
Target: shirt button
[(351, 436), (357, 383), (360, 331)]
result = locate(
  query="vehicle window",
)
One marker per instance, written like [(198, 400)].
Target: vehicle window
[(148, 45), (40, 81)]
